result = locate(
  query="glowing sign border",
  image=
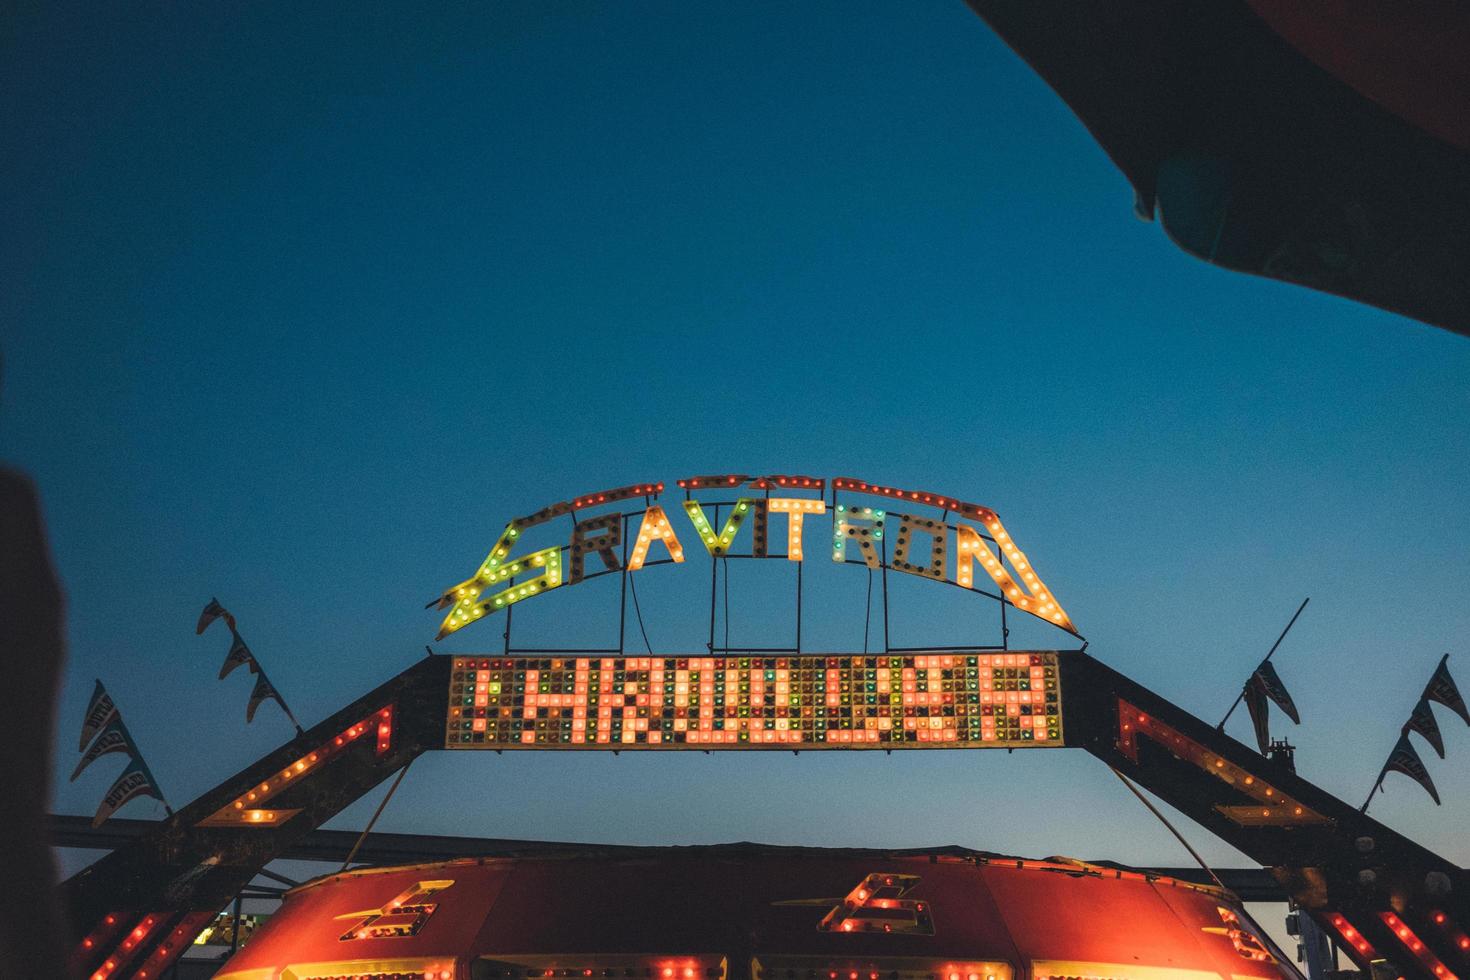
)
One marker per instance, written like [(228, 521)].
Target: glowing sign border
[(1021, 587)]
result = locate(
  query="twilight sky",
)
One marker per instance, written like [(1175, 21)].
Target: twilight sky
[(299, 307)]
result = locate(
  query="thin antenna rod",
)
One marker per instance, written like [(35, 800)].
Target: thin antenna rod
[(1241, 696), (376, 814), (1177, 835), (1377, 785)]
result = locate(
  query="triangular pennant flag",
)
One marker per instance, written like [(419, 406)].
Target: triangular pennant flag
[(1421, 720), (1260, 709), (1441, 688), (1406, 760), (1272, 687), (212, 612), (114, 738), (100, 711), (239, 654), (135, 781), (263, 690)]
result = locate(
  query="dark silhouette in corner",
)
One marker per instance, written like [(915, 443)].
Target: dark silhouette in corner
[(33, 936)]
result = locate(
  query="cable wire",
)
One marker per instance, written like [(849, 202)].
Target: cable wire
[(633, 588), (867, 610), (376, 814), (1177, 835)]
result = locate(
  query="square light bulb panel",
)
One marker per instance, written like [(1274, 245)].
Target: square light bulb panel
[(915, 701)]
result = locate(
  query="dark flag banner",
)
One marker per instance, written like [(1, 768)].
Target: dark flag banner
[(1260, 709), (135, 781), (263, 691), (239, 655), (114, 738), (100, 711), (105, 729), (1272, 687), (1442, 688), (1263, 687), (212, 612), (1406, 760), (1422, 721)]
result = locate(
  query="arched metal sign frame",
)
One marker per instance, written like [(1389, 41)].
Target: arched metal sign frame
[(961, 539)]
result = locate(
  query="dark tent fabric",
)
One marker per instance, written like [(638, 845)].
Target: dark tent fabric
[(1260, 152)]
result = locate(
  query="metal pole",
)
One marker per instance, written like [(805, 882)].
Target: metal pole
[(714, 571), (1241, 696), (623, 598), (798, 605), (235, 933), (1005, 630), (883, 564), (1376, 784)]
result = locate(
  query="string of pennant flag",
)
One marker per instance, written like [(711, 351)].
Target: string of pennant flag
[(104, 729), (239, 655), (1265, 687), (1404, 757)]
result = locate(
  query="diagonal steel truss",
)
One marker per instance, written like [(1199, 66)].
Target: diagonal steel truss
[(1380, 895)]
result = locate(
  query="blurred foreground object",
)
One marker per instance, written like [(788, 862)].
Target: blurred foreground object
[(32, 936), (1325, 144)]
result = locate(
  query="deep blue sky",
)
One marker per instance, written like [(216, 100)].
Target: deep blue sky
[(300, 306)]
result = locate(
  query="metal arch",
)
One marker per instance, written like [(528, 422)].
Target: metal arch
[(1355, 876)]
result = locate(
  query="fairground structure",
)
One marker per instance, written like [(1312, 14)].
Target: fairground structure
[(508, 909)]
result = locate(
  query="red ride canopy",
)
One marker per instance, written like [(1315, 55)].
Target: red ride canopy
[(711, 911)]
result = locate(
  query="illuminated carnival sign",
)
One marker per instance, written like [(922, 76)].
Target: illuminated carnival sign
[(946, 548), (877, 905), (952, 700), (404, 915)]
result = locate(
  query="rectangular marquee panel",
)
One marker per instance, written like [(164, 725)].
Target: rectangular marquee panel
[(939, 700)]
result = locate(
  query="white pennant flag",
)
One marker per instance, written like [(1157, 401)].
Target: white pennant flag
[(212, 612), (100, 711), (135, 781), (114, 738), (239, 654)]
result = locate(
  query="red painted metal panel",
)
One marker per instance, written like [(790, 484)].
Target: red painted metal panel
[(741, 902), (312, 921)]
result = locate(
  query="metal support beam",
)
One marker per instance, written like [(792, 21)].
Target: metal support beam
[(1381, 895), (1251, 884), (173, 878), (1378, 892)]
